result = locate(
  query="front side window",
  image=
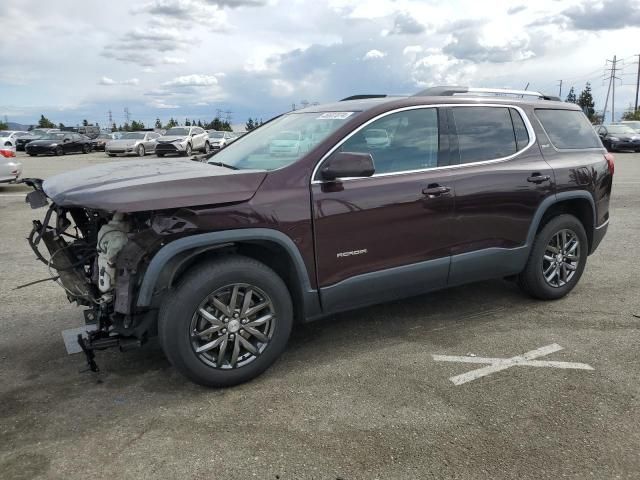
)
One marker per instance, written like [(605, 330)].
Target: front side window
[(568, 129), (484, 133), (400, 142)]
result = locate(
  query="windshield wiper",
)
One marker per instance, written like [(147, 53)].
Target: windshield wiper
[(222, 164)]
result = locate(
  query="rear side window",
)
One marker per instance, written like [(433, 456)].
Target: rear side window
[(484, 133), (520, 131), (568, 129)]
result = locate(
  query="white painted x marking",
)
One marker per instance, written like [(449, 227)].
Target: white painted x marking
[(498, 364)]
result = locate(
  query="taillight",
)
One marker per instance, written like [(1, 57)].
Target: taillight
[(7, 153), (610, 162)]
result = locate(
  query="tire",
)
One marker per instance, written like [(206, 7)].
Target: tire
[(111, 154), (207, 148), (33, 154), (188, 150), (532, 279), (179, 317), (59, 151), (160, 155), (86, 148), (140, 151)]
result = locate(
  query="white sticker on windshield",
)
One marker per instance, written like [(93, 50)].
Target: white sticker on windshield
[(334, 115)]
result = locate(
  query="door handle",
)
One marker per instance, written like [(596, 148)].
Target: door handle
[(435, 190), (537, 178)]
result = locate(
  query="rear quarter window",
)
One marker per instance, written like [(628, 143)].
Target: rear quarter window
[(568, 129)]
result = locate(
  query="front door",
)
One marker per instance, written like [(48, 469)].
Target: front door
[(386, 236)]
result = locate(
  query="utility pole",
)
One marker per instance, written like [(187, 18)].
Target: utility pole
[(127, 114), (560, 92), (110, 119), (612, 85), (637, 84)]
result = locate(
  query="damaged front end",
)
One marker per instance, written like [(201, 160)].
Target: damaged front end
[(98, 258)]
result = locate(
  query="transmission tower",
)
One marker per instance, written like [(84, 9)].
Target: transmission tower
[(612, 77), (127, 114), (227, 117)]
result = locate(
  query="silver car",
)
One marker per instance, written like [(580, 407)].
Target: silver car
[(10, 167), (137, 143)]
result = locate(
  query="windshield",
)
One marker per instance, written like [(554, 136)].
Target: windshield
[(375, 133), (620, 129), (132, 136), (37, 133), (52, 136), (258, 151), (181, 131), (216, 135)]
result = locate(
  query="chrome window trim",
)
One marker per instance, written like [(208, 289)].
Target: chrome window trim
[(525, 119)]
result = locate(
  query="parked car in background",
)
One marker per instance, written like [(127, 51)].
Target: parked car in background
[(634, 124), (617, 137), (101, 140), (8, 138), (183, 141), (287, 143), (219, 140), (34, 134), (10, 168), (136, 143), (377, 138), (59, 143)]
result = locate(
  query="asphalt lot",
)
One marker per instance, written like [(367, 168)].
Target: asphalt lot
[(356, 397)]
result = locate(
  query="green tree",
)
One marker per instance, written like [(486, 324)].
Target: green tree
[(114, 128), (126, 127), (158, 123), (61, 125), (187, 123), (631, 115), (85, 123), (571, 97), (3, 125), (250, 125), (585, 100), (171, 123), (199, 123), (44, 122), (135, 126)]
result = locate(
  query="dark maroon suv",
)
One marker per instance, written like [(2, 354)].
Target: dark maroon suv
[(323, 210)]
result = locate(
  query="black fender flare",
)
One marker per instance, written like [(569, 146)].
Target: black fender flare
[(211, 240), (550, 201)]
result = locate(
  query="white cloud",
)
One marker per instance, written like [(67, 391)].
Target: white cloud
[(110, 81), (373, 54), (194, 80)]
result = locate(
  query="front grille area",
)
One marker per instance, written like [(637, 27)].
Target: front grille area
[(166, 147)]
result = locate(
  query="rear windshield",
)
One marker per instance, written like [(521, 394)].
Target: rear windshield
[(568, 129)]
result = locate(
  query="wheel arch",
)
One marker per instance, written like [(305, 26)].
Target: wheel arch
[(579, 203), (271, 247)]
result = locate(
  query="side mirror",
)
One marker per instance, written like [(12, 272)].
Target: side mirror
[(347, 164)]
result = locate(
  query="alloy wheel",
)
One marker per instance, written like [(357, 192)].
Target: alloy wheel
[(232, 326), (561, 258), (140, 150)]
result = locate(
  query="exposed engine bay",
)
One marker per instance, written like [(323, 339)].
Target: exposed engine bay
[(98, 258)]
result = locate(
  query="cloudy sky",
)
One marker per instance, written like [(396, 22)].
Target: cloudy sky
[(188, 58)]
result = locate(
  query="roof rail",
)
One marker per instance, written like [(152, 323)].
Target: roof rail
[(362, 97), (446, 91)]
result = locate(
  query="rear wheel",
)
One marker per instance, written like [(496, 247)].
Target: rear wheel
[(226, 321), (557, 259)]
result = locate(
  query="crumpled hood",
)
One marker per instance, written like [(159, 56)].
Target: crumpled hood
[(170, 138), (142, 185)]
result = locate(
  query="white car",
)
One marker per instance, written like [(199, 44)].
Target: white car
[(286, 143), (8, 137), (183, 141), (10, 168), (377, 138), (220, 140)]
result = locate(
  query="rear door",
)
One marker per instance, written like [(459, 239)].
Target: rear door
[(386, 236), (500, 181)]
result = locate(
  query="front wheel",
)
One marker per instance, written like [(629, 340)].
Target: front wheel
[(59, 151), (207, 148), (188, 150), (557, 259), (226, 321), (86, 148), (140, 150)]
